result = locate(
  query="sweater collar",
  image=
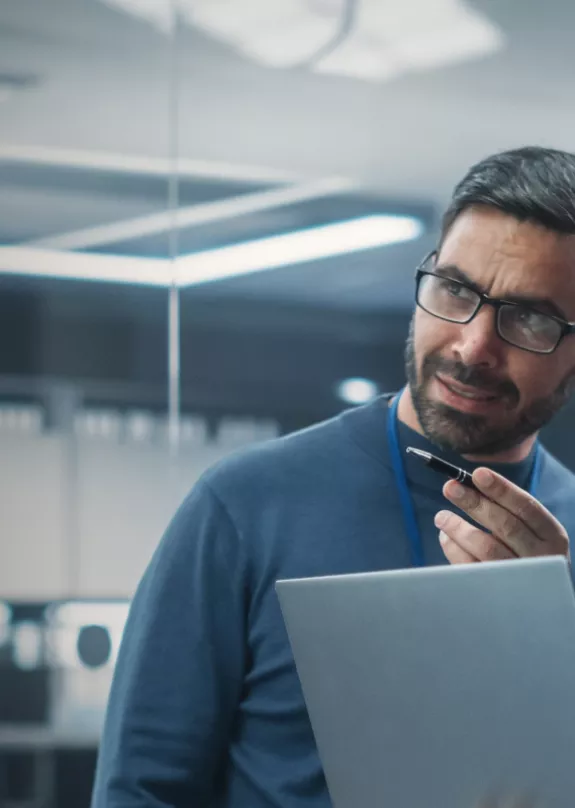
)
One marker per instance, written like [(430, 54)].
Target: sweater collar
[(367, 424)]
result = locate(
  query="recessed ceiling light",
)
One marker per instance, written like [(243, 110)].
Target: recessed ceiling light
[(357, 390), (383, 40)]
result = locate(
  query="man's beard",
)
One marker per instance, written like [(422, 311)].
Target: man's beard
[(470, 434)]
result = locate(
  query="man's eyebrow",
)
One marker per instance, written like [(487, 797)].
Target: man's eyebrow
[(457, 274), (543, 304)]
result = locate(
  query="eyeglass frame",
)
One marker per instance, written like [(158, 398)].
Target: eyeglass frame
[(497, 303)]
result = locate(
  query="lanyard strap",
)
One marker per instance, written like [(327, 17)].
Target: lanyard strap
[(405, 499)]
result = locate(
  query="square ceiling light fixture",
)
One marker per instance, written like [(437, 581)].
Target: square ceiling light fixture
[(374, 40), (287, 249)]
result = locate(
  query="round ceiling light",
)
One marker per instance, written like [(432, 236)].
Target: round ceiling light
[(357, 390)]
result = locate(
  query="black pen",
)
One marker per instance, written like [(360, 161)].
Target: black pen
[(443, 467)]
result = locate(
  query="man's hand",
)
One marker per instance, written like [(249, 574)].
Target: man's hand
[(517, 525)]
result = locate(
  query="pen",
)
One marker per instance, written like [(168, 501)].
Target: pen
[(443, 467)]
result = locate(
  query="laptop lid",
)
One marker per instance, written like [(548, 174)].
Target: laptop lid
[(440, 687)]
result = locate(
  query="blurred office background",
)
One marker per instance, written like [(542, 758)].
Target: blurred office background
[(210, 216)]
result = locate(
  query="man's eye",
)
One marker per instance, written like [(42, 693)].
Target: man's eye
[(455, 290), (532, 320)]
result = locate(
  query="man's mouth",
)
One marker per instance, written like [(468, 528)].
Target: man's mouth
[(467, 398), (464, 390)]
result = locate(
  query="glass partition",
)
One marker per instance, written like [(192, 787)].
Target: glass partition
[(211, 212)]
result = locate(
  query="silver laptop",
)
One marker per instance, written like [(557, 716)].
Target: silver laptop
[(444, 687)]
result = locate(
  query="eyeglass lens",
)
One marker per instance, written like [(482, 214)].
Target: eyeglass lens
[(454, 301)]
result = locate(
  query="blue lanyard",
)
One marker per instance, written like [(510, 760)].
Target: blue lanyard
[(406, 502)]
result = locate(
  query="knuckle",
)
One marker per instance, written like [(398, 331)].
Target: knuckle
[(498, 485), (471, 500), (463, 531), (508, 526), (491, 550), (527, 511), (452, 523)]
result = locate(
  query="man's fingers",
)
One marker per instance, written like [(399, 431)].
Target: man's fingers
[(521, 504), (479, 545), (453, 552), (497, 520)]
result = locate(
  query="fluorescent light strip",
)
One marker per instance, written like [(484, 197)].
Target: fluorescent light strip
[(301, 246), (194, 215), (298, 247), (84, 266), (140, 164)]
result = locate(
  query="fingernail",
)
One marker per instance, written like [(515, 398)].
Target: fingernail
[(441, 518), (484, 477), (442, 537)]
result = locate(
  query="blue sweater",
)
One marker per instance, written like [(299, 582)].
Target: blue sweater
[(206, 707)]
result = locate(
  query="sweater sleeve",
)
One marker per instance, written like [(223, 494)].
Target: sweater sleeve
[(179, 674)]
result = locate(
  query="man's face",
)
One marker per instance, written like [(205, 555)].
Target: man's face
[(472, 391)]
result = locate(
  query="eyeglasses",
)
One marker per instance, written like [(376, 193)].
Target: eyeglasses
[(516, 324)]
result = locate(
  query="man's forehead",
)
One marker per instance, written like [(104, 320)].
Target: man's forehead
[(484, 240)]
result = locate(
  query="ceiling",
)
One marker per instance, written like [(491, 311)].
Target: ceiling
[(88, 136)]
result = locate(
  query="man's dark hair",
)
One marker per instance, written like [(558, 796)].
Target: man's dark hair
[(532, 184)]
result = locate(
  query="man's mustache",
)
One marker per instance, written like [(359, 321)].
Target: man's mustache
[(470, 375)]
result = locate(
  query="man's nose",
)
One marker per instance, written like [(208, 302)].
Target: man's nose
[(477, 342)]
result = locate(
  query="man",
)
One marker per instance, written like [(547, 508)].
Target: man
[(206, 708)]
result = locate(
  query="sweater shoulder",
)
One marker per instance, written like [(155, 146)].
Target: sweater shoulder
[(557, 491), (557, 475), (299, 453), (332, 455)]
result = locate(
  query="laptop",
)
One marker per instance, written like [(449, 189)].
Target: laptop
[(444, 687)]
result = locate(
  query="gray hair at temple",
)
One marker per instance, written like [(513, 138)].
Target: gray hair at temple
[(532, 184)]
